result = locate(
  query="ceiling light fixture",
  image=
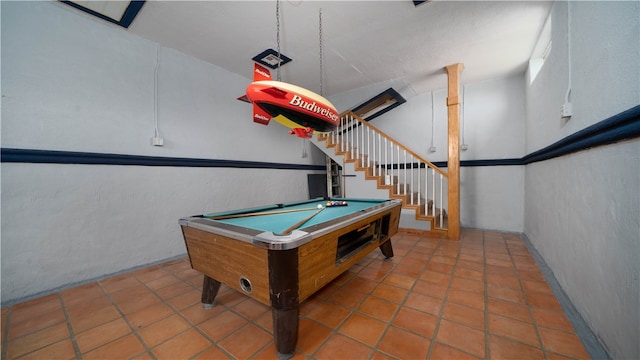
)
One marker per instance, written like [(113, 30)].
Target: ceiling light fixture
[(269, 58)]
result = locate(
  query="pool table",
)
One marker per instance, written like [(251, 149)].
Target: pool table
[(257, 252)]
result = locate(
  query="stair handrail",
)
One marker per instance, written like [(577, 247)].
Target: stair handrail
[(396, 142)]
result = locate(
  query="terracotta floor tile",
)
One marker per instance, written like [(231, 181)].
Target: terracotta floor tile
[(423, 287), (329, 314), (36, 340), (311, 335), (373, 274), (531, 275), (465, 315), (499, 270), (33, 309), (347, 297), (119, 283), (342, 347), (404, 345), (424, 303), (469, 285), (502, 348), (442, 259), (161, 282), (361, 284), (82, 293), (164, 329), (215, 352), (186, 299), (439, 267), (177, 289), (251, 309), (527, 267), (82, 308), (507, 294), (435, 277), (245, 342), (504, 280), (478, 266), (536, 286), (513, 329), (135, 303), (150, 273), (469, 274), (123, 348), (401, 281), (477, 258), (222, 325), (363, 328), (183, 346), (86, 321), (461, 337), (544, 301), (444, 352), (552, 319), (198, 314), (101, 335), (466, 298), (61, 350), (415, 321), (391, 293), (265, 321), (378, 308), (509, 309), (35, 323), (149, 315), (563, 343)]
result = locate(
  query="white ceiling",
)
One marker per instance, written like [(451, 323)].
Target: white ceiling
[(364, 42)]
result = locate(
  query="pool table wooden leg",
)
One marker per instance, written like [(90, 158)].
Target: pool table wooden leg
[(387, 249), (210, 289), (285, 301)]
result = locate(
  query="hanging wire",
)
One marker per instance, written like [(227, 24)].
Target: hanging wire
[(278, 37), (320, 46)]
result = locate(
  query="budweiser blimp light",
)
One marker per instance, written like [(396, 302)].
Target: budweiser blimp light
[(299, 109)]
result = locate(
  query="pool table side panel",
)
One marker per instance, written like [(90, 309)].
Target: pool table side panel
[(318, 258), (226, 260)]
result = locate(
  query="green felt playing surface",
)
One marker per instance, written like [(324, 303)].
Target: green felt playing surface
[(277, 223)]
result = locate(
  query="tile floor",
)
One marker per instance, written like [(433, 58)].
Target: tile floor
[(480, 298)]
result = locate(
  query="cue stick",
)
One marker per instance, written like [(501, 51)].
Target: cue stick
[(297, 225), (259, 213)]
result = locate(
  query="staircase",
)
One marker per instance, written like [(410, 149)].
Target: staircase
[(422, 186)]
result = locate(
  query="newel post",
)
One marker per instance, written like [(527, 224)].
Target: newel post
[(453, 160)]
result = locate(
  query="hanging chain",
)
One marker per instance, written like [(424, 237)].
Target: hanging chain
[(320, 46), (278, 36)]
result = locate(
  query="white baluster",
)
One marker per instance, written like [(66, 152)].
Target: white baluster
[(441, 203), (433, 192)]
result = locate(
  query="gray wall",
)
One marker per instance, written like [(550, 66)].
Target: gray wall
[(73, 83), (582, 211)]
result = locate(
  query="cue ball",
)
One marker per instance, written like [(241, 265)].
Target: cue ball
[(320, 206)]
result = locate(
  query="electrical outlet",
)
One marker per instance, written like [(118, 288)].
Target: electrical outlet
[(157, 141), (464, 147), (432, 149), (566, 110)]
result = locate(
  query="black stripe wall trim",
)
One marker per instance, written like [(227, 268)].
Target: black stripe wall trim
[(620, 127), (9, 155)]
